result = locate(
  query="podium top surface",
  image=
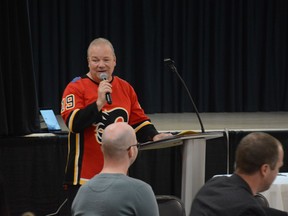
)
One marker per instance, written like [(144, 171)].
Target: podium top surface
[(176, 140)]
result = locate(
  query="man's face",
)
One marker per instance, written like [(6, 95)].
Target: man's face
[(268, 180), (101, 59)]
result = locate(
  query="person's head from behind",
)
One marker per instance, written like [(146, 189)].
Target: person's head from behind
[(119, 144), (101, 58), (261, 154)]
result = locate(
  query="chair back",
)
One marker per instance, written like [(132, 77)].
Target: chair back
[(170, 206)]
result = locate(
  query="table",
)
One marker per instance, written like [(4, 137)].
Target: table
[(33, 168), (277, 194)]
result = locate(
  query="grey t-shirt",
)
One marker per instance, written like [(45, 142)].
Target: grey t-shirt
[(115, 195)]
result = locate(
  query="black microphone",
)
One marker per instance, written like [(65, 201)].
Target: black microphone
[(170, 63), (104, 76)]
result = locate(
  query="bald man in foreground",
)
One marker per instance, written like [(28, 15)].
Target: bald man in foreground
[(112, 192)]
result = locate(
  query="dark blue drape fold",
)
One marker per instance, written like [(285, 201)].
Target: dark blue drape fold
[(232, 54), (19, 104)]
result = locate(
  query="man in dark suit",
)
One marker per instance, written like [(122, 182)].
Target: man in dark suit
[(259, 157)]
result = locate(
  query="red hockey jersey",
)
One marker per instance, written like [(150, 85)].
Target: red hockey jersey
[(86, 123)]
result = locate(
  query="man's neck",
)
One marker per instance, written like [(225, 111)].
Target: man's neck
[(114, 168), (252, 180)]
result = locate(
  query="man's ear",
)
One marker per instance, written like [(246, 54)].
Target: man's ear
[(264, 169), (115, 62), (131, 152)]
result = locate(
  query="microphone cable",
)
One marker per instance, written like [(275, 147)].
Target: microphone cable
[(60, 207)]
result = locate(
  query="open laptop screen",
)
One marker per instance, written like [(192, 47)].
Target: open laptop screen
[(50, 119)]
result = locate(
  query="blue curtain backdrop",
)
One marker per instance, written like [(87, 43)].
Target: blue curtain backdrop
[(18, 94), (231, 53)]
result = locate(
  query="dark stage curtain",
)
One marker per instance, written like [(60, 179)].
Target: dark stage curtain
[(18, 110), (231, 53)]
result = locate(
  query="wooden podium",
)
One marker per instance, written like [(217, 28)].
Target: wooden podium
[(193, 161)]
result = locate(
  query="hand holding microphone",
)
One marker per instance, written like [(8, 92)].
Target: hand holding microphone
[(106, 87)]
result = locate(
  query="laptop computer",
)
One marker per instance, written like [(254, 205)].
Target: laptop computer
[(50, 123)]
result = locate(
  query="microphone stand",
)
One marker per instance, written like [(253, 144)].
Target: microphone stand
[(170, 63)]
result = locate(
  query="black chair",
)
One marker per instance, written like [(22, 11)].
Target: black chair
[(170, 206), (261, 200)]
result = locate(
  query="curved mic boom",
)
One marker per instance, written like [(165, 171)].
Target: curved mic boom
[(170, 63)]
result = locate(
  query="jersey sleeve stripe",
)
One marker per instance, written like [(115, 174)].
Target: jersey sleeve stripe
[(71, 119), (76, 170), (142, 125)]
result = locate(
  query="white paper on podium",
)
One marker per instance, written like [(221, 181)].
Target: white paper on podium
[(178, 139)]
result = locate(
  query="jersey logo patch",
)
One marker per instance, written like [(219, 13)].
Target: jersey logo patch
[(109, 117)]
